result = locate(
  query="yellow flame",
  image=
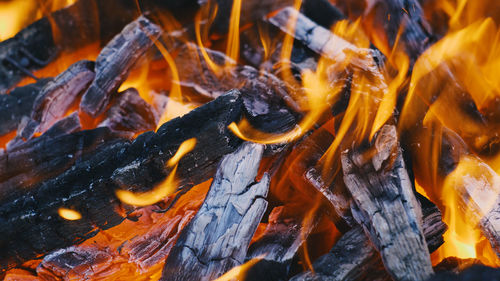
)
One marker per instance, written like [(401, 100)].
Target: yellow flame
[(172, 110), (167, 187), (233, 40), (17, 14), (184, 148), (164, 189), (197, 22), (69, 214), (239, 272)]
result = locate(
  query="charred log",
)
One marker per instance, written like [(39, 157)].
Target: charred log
[(266, 100), (217, 238), (115, 62), (384, 204), (129, 113), (30, 225), (60, 94), (18, 104), (354, 257)]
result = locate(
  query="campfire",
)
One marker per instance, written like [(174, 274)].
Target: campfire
[(249, 140)]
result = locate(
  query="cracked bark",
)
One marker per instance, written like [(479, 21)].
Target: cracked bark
[(217, 238), (115, 62), (385, 206), (354, 257)]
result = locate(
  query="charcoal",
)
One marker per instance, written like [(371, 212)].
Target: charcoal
[(129, 113), (59, 95), (354, 257), (16, 104), (115, 62), (217, 238), (29, 223)]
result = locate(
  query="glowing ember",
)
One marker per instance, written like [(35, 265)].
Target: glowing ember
[(69, 214)]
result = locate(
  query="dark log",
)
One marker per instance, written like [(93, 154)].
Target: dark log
[(44, 157), (266, 99), (386, 17), (354, 257), (71, 28), (384, 204), (115, 62), (217, 238), (129, 113), (59, 95), (29, 223), (16, 104), (54, 101), (314, 36), (144, 251)]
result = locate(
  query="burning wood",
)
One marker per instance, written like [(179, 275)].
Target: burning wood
[(115, 61), (217, 238), (105, 169), (386, 207)]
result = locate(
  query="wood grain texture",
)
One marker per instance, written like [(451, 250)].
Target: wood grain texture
[(217, 238)]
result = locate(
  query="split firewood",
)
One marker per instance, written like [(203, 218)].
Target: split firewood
[(60, 94), (217, 238), (129, 113), (314, 36), (354, 257), (388, 17), (47, 156), (115, 62), (265, 96), (54, 101), (384, 204), (89, 185), (17, 104), (68, 29)]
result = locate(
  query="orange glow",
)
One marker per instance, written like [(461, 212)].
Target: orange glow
[(17, 14), (69, 214)]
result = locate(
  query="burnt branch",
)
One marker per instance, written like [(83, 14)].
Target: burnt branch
[(217, 238), (115, 62), (29, 223), (354, 257), (384, 204)]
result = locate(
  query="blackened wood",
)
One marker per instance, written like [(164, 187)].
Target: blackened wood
[(45, 157), (71, 28), (266, 99), (281, 239), (314, 36), (389, 16), (57, 97), (384, 204), (115, 62), (354, 257), (129, 113), (16, 104), (29, 223), (217, 238)]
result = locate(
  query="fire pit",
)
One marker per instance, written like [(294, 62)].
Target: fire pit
[(249, 140)]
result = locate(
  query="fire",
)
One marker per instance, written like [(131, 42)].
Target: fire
[(455, 71), (239, 272), (16, 14), (69, 214), (167, 187)]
